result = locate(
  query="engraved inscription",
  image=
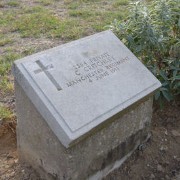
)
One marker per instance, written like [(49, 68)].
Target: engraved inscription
[(45, 70), (89, 70), (95, 68)]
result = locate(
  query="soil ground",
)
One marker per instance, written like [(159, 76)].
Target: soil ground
[(158, 159)]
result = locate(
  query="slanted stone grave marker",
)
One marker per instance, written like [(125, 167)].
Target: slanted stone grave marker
[(82, 107)]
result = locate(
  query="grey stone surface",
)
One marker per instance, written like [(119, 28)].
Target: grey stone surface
[(79, 86), (93, 157)]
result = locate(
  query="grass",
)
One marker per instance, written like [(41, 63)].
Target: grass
[(81, 15), (4, 41), (6, 61), (5, 113), (44, 2), (120, 3), (54, 20), (13, 3), (45, 23), (6, 84), (38, 23)]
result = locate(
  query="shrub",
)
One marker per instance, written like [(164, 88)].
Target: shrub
[(152, 32)]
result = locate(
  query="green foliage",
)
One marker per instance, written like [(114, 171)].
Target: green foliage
[(152, 32)]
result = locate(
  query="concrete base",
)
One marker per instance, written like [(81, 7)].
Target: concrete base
[(104, 150)]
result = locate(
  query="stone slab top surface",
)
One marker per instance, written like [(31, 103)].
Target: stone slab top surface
[(79, 85)]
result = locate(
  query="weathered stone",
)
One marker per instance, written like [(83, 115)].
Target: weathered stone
[(95, 156), (80, 85), (82, 108)]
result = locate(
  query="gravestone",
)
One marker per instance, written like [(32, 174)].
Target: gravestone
[(82, 107)]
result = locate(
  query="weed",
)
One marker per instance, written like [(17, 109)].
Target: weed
[(13, 3), (6, 85), (6, 21), (152, 32), (5, 113), (6, 62), (44, 2), (46, 23), (72, 5), (5, 41), (81, 13), (28, 51), (120, 3)]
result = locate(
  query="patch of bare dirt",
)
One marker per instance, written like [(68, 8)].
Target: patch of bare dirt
[(10, 169), (158, 159)]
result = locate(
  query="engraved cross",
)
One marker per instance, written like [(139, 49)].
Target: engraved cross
[(48, 74)]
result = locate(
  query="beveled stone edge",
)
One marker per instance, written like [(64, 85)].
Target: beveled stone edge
[(66, 136)]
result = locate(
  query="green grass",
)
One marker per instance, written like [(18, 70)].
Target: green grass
[(13, 3), (84, 14), (80, 16), (6, 85), (95, 15), (46, 24), (6, 60), (4, 41), (5, 113), (28, 51), (72, 5), (44, 2), (38, 23), (7, 19), (48, 19), (120, 3)]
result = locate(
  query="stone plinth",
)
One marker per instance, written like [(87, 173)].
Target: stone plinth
[(82, 108)]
